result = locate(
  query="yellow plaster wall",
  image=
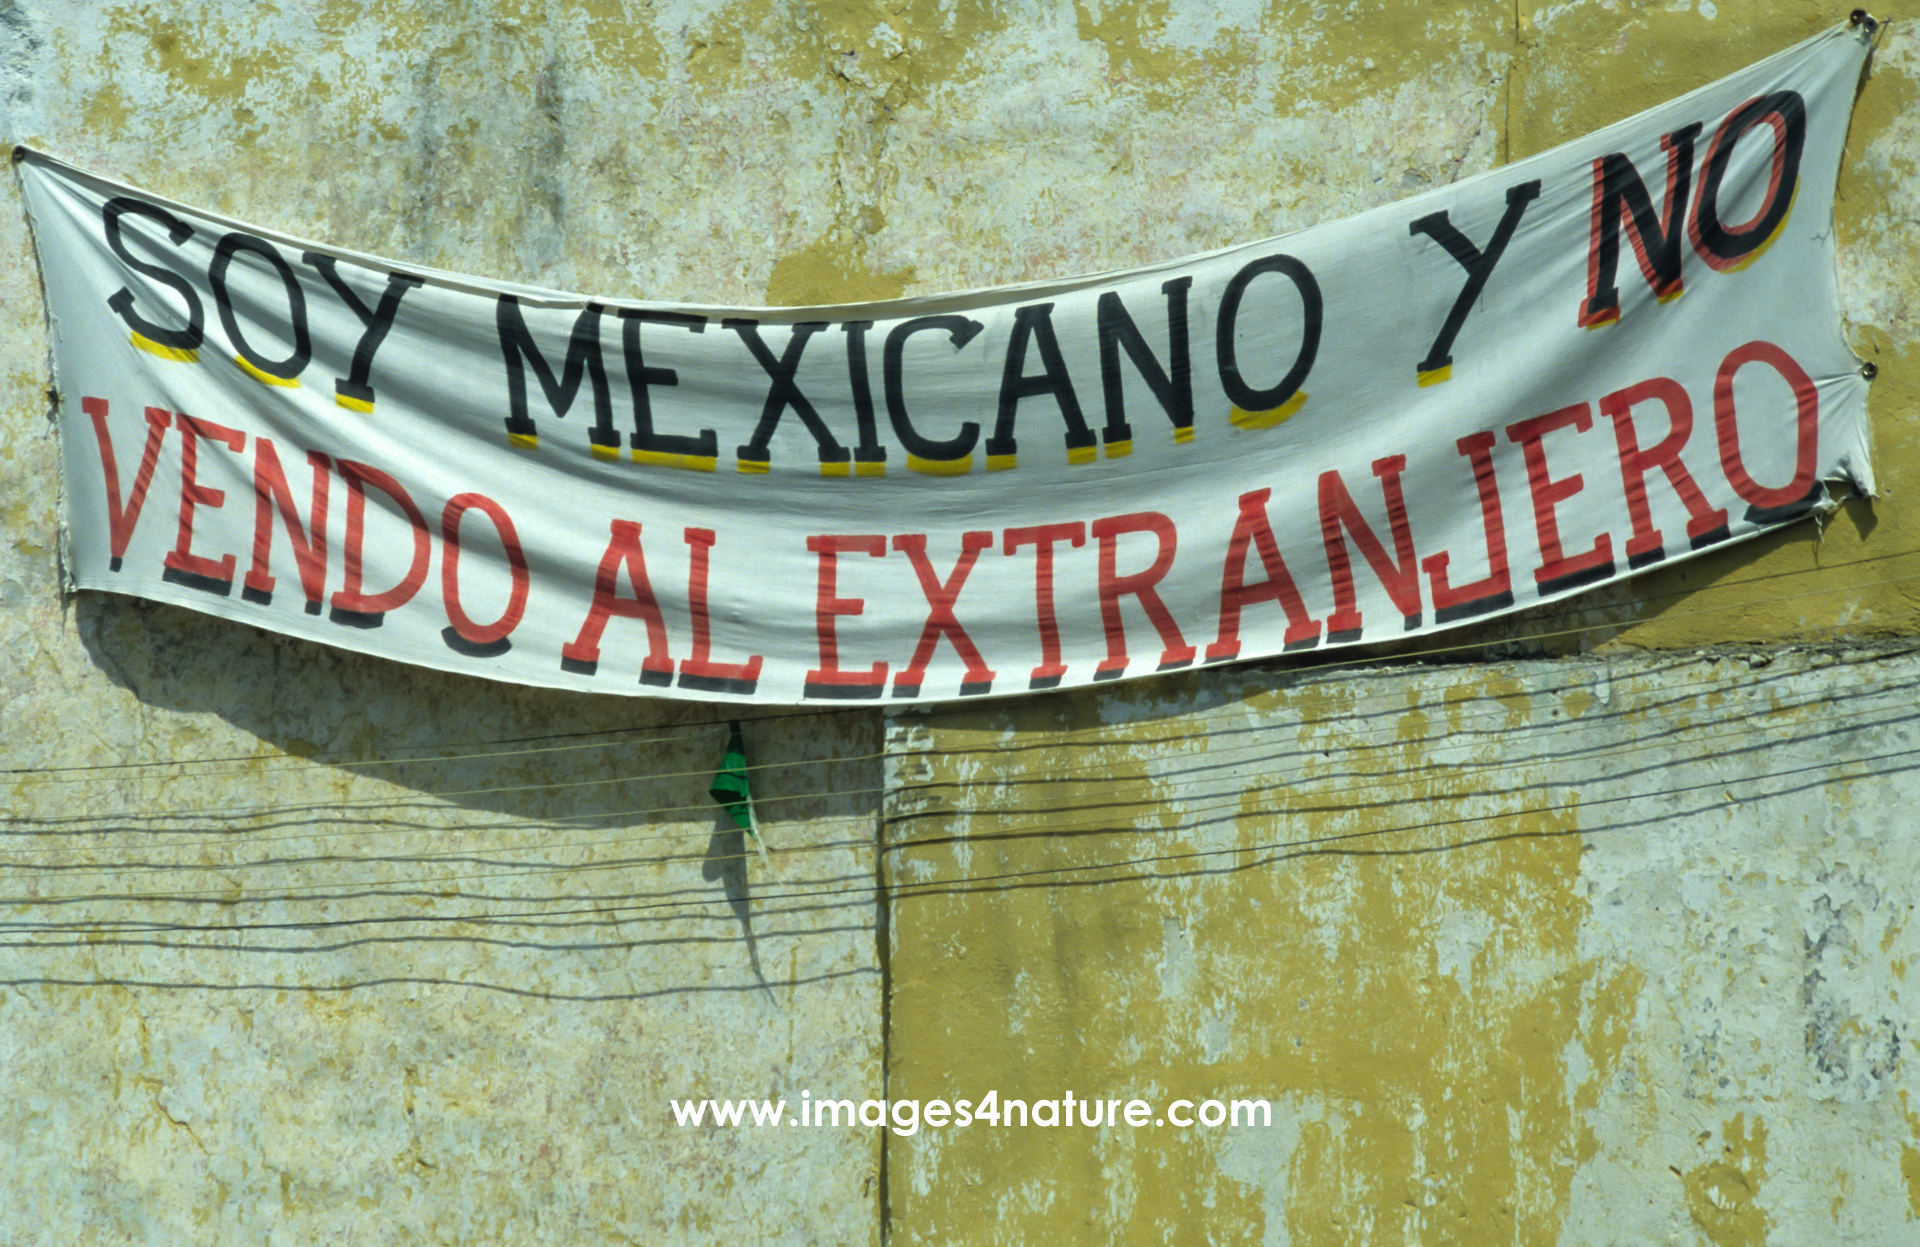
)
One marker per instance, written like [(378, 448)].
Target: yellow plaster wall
[(329, 950), (1591, 951), (1594, 63), (1678, 1030), (297, 946)]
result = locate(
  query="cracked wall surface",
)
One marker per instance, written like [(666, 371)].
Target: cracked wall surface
[(296, 995), (1604, 950)]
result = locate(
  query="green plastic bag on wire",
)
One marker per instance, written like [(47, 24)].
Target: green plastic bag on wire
[(734, 791)]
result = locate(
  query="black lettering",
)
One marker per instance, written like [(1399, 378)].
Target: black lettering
[(783, 393), (356, 387), (121, 301), (1479, 265), (1034, 324), (1172, 385), (1724, 248), (1243, 395), (1617, 190), (646, 440), (583, 360), (287, 369), (960, 330), (869, 451)]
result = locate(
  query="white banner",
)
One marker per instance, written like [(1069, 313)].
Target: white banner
[(1612, 355)]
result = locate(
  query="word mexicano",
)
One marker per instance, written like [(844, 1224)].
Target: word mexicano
[(917, 355)]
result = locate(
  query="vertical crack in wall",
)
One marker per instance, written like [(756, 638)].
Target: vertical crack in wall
[(873, 82), (1506, 127), (542, 215), (883, 952), (419, 218)]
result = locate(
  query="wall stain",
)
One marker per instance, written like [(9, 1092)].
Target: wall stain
[(1723, 1193)]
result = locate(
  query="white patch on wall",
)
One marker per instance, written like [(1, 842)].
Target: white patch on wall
[(1462, 934), (1260, 1158)]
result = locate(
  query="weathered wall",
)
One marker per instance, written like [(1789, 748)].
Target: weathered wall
[(1596, 989), (1606, 950), (313, 991), (285, 994)]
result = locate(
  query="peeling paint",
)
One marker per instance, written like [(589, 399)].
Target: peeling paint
[(1483, 983), (1497, 977)]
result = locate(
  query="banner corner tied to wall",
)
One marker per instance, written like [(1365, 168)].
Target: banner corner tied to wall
[(1613, 355)]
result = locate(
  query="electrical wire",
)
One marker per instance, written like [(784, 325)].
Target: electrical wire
[(1450, 740), (861, 890), (87, 772), (1195, 805)]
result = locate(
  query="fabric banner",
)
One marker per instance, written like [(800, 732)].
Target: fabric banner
[(1613, 355)]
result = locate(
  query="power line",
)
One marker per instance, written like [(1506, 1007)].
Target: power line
[(503, 748), (1053, 829)]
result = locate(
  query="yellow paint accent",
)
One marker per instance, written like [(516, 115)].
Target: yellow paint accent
[(1434, 377), (1002, 463), (1672, 296), (940, 467), (1612, 319), (1332, 1013), (833, 269), (1772, 238), (360, 405), (164, 352), (869, 469), (1075, 454), (525, 441), (687, 463), (753, 467), (843, 468), (603, 452), (1337, 63), (1240, 418), (1910, 1156), (266, 378), (1722, 1194), (1184, 434), (1119, 450)]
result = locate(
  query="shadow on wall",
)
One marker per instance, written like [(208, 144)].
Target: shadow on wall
[(527, 841), (1101, 790), (420, 810)]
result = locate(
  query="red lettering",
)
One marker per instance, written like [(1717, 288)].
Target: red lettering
[(201, 572), (1621, 202), (1399, 575), (1806, 464), (940, 618), (122, 517), (828, 679), (309, 540), (1646, 544), (1558, 571), (1495, 590), (1730, 248), (1252, 529), (1043, 538), (582, 654), (352, 605), (1175, 651), (486, 634), (700, 671)]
